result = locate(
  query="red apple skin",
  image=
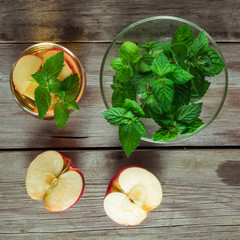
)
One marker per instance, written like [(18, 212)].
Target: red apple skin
[(72, 167), (114, 185), (70, 65), (65, 59)]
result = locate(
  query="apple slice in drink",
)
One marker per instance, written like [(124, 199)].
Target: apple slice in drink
[(67, 69), (24, 68), (131, 194), (55, 180)]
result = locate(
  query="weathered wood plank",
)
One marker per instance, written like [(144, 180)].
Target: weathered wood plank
[(95, 20), (87, 127), (201, 197)]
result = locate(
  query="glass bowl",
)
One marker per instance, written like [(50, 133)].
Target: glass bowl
[(163, 28), (28, 104)]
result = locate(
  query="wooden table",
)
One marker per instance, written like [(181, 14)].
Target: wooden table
[(200, 177)]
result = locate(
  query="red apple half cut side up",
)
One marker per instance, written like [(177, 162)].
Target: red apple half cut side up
[(55, 180), (131, 194)]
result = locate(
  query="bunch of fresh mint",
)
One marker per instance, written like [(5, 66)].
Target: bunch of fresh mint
[(66, 90), (167, 79)]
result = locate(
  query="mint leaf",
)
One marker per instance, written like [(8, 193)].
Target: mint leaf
[(147, 46), (54, 64), (42, 101), (162, 120), (179, 52), (182, 94), (164, 135), (123, 71), (154, 46), (71, 85), (140, 81), (184, 35), (116, 116), (151, 105), (153, 111), (147, 58), (129, 52), (167, 52), (118, 98), (210, 63), (129, 138), (61, 115), (195, 125), (179, 75), (160, 65), (117, 64), (188, 113), (200, 45), (144, 65), (189, 128), (160, 46), (194, 96), (62, 95), (55, 86), (41, 78), (163, 91), (133, 107), (181, 128), (70, 103), (198, 81), (121, 92), (139, 127)]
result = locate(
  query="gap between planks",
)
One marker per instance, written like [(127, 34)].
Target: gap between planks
[(92, 42), (145, 148)]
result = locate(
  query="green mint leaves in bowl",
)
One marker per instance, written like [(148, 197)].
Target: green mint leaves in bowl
[(159, 88)]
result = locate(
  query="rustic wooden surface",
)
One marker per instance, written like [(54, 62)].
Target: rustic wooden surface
[(200, 177), (201, 197)]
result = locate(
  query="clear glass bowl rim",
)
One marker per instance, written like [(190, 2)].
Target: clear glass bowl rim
[(184, 21)]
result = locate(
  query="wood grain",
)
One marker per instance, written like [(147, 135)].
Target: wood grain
[(87, 21), (87, 128), (198, 202), (201, 182)]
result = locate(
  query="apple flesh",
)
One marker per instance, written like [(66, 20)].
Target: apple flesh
[(55, 180), (24, 68), (131, 194)]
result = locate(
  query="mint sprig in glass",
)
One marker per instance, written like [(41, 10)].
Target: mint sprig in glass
[(53, 89), (65, 90)]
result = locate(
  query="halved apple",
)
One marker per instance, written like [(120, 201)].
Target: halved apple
[(55, 180), (131, 194), (24, 68)]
